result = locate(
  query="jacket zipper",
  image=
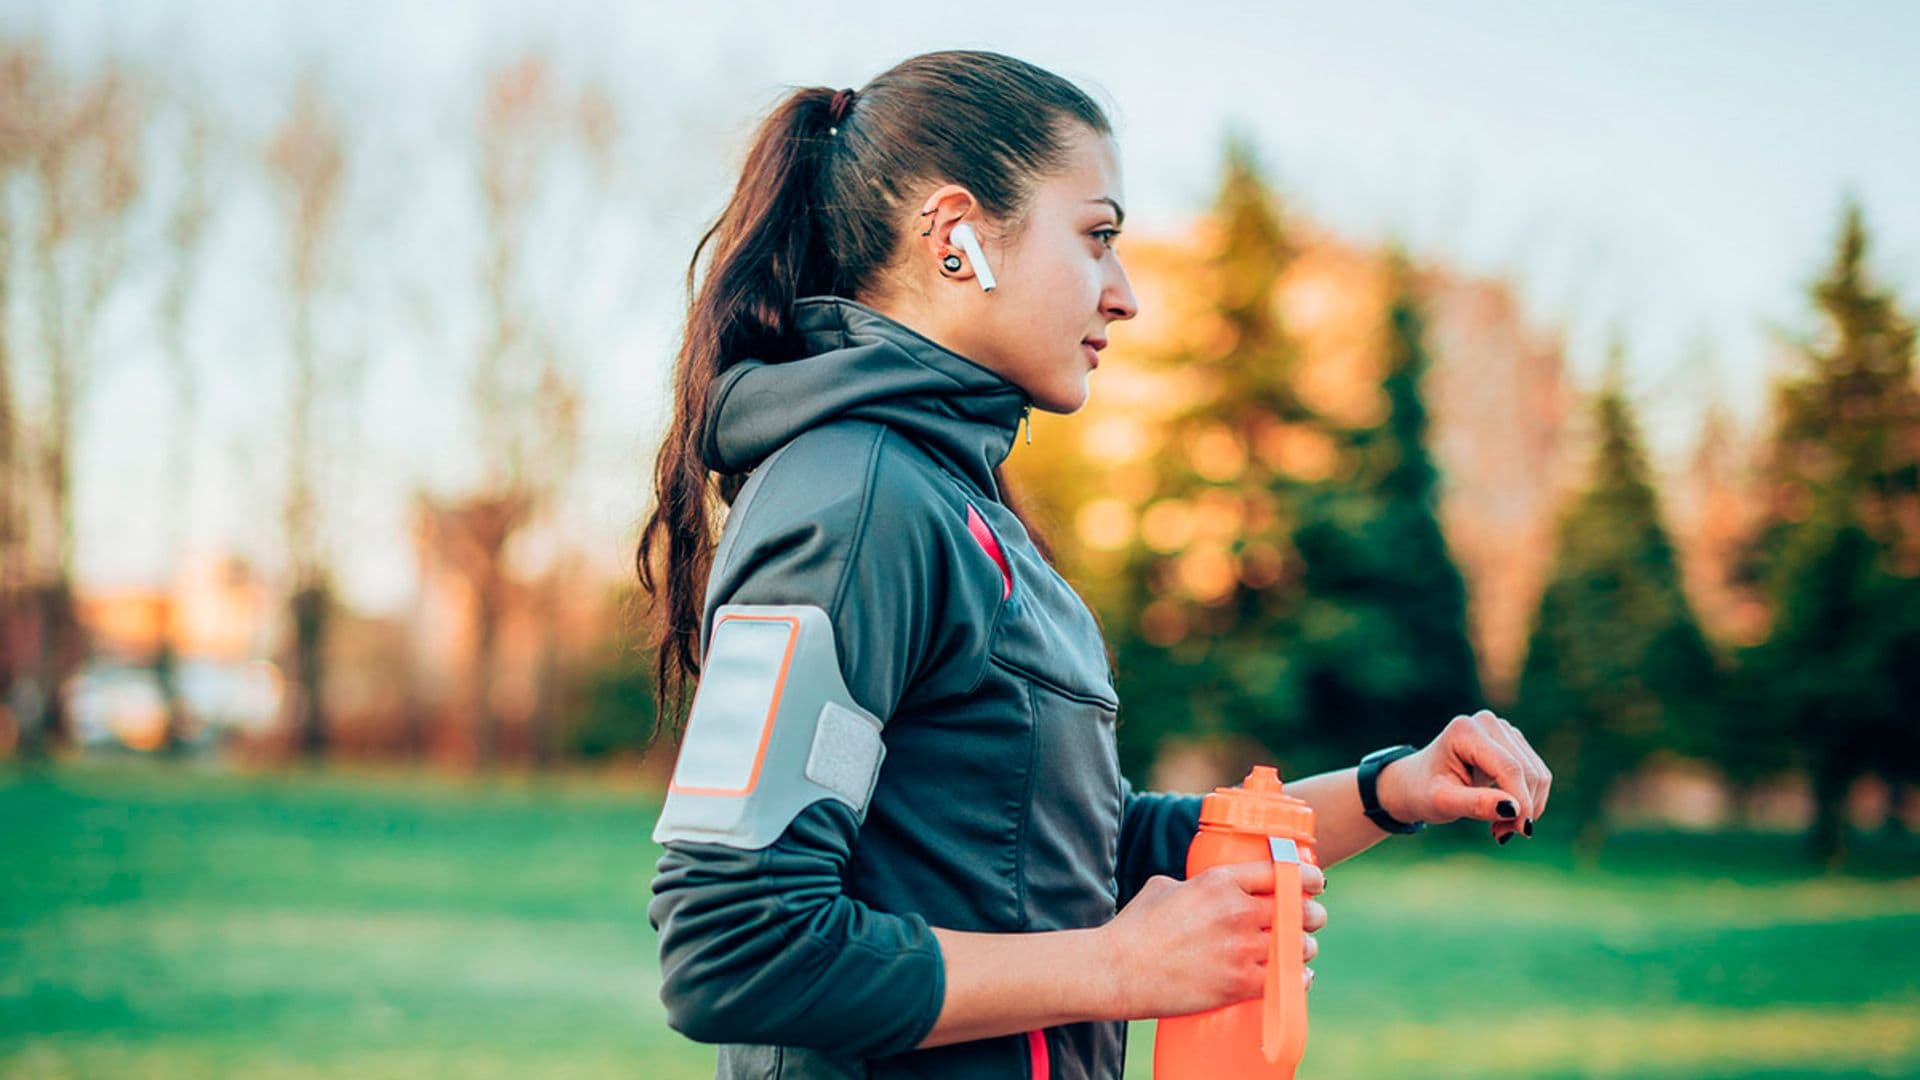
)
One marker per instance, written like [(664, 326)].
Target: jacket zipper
[(1026, 413)]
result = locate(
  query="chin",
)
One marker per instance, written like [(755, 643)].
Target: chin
[(1069, 400)]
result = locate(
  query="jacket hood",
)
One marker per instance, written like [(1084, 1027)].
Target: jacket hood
[(858, 363)]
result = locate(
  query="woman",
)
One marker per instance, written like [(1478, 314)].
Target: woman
[(897, 841)]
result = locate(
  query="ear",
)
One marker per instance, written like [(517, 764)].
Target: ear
[(933, 239)]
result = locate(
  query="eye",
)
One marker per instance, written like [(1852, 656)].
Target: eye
[(1106, 235)]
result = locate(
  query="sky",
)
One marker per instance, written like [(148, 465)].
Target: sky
[(1670, 175)]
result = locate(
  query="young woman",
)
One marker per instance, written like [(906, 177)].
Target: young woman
[(897, 840)]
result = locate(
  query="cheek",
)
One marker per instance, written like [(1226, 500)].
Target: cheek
[(1068, 270)]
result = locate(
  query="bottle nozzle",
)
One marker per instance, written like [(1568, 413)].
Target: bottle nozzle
[(1263, 778)]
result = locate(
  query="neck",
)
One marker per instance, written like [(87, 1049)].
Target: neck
[(944, 318)]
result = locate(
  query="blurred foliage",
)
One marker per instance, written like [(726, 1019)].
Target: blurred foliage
[(616, 713), (1838, 557), (1267, 570), (1382, 633), (1204, 621), (1270, 572), (1617, 667)]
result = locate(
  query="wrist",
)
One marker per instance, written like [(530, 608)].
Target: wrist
[(1385, 788), (1106, 955), (1391, 787)]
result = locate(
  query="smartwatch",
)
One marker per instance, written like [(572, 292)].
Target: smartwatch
[(1369, 777)]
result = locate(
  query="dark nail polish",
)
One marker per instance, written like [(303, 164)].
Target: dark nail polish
[(1506, 808), (1529, 828), (1504, 837)]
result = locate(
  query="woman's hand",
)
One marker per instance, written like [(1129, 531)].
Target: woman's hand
[(1449, 779), (1182, 947)]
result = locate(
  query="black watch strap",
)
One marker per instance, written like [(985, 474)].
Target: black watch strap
[(1369, 779)]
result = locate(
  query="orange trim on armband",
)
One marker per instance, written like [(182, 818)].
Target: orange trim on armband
[(773, 707)]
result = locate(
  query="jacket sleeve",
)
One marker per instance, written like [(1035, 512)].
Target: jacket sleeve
[(1156, 828), (762, 946)]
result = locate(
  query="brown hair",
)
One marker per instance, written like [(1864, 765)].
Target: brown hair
[(815, 213)]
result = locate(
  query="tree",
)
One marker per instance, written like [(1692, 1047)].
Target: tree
[(527, 398), (19, 78), (1382, 633), (1837, 669), (308, 157), (186, 231), (1616, 664), (81, 142), (1838, 554), (1206, 580), (1203, 482), (1740, 737)]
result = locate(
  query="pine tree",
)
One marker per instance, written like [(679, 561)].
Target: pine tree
[(1616, 665), (1839, 554), (1202, 644), (1382, 633)]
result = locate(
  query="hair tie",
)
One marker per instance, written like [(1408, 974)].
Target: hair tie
[(842, 101)]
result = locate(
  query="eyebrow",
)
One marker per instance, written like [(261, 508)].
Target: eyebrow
[(1120, 215)]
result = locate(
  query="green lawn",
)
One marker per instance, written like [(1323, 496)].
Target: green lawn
[(189, 923)]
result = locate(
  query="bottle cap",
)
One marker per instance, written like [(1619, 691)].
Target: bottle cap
[(1258, 805)]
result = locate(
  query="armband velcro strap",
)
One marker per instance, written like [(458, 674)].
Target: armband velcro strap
[(772, 730)]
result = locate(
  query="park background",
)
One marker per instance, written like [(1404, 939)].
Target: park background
[(1558, 360)]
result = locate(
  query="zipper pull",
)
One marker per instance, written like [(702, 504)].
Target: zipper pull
[(1026, 413)]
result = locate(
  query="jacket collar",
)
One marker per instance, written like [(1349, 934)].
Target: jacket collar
[(855, 362)]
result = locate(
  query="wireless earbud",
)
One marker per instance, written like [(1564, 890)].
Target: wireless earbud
[(963, 235)]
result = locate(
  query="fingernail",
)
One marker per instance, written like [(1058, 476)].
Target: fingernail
[(1506, 808), (1529, 827), (1504, 837)]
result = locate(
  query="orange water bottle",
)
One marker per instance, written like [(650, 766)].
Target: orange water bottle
[(1261, 1038)]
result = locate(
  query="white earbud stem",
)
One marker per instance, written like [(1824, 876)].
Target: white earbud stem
[(963, 235)]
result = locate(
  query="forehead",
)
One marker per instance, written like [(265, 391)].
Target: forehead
[(1092, 173)]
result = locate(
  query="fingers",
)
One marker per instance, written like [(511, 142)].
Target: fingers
[(1453, 801), (1534, 775), (1254, 878), (1504, 827), (1313, 916), (1479, 742), (1538, 775), (1532, 772), (1485, 748), (1312, 879)]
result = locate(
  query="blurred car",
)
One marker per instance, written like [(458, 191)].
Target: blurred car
[(116, 704)]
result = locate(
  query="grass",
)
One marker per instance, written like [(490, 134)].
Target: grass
[(161, 922)]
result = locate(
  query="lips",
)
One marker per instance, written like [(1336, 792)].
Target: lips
[(1092, 350)]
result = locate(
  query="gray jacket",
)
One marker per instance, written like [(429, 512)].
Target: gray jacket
[(999, 806)]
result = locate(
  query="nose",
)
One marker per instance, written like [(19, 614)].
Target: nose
[(1118, 302)]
